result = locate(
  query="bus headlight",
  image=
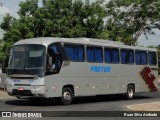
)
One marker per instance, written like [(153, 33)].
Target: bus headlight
[(8, 87), (36, 88)]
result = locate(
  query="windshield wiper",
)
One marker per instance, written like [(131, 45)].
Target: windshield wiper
[(34, 68), (10, 70)]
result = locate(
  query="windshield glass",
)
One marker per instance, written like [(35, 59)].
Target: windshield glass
[(27, 59)]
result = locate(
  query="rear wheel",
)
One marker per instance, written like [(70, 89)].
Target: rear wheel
[(67, 96), (130, 92)]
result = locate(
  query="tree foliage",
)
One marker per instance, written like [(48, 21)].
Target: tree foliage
[(54, 18), (118, 20), (128, 19)]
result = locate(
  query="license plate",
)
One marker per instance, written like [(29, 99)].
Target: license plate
[(16, 81), (31, 81)]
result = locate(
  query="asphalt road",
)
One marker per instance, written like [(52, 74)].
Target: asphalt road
[(93, 103), (107, 103), (84, 104)]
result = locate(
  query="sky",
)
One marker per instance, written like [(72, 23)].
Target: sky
[(11, 6), (8, 6)]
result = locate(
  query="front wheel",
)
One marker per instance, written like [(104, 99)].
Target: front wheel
[(130, 92), (67, 96)]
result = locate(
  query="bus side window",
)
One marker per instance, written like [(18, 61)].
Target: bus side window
[(108, 55), (75, 52), (53, 59), (115, 55), (138, 57), (141, 57), (80, 50), (144, 57), (152, 58), (124, 56), (71, 51), (94, 54), (90, 54), (98, 54), (130, 56)]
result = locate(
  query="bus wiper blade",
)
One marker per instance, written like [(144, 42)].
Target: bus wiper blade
[(34, 68), (11, 70), (30, 72)]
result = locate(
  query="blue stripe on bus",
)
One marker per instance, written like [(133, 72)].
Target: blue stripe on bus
[(100, 69)]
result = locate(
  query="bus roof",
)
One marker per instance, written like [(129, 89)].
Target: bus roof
[(86, 41)]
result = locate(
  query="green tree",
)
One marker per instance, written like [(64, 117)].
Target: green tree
[(128, 19), (55, 18), (8, 22)]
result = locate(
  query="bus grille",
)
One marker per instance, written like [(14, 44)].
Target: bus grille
[(22, 84), (22, 92)]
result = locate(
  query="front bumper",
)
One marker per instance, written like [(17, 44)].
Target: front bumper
[(29, 91)]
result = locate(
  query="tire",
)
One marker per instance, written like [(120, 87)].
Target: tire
[(130, 92), (67, 96)]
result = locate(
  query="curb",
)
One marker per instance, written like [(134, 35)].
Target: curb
[(151, 106)]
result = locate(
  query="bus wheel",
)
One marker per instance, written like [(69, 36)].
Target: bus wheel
[(67, 96), (130, 92)]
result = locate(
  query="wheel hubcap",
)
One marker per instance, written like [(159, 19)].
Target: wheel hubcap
[(67, 96), (130, 92)]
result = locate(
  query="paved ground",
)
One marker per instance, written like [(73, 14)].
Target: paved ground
[(4, 95), (154, 106)]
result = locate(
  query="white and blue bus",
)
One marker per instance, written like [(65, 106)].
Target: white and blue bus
[(70, 67)]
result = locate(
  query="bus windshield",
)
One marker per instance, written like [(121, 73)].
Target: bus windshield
[(27, 59)]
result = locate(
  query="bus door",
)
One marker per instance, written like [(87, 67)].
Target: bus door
[(54, 59)]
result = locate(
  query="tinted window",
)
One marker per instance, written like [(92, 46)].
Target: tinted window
[(75, 52), (94, 54), (127, 56), (130, 56), (124, 56), (138, 57), (27, 59), (98, 54), (108, 55), (71, 52), (80, 52), (141, 57), (152, 58), (115, 55), (54, 59), (90, 54), (111, 55)]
